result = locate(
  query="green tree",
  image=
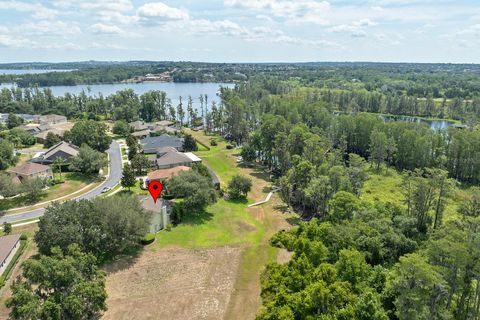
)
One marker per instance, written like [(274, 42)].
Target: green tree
[(351, 266), (61, 286), (89, 132), (7, 187), (51, 140), (13, 121), (33, 188), (239, 186), (343, 206), (7, 157), (471, 205), (121, 127), (140, 163), (369, 307), (88, 161), (419, 290), (196, 190), (317, 194), (378, 147), (248, 153), (189, 143), (356, 172), (105, 227), (128, 178), (7, 228)]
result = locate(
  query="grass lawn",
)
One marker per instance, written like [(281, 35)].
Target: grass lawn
[(232, 223), (73, 182)]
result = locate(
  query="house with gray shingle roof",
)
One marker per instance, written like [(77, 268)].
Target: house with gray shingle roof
[(153, 144), (175, 159), (62, 149)]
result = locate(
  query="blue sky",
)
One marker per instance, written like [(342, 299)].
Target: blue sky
[(241, 30)]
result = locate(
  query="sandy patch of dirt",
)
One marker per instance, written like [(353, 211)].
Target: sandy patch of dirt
[(284, 256), (173, 284)]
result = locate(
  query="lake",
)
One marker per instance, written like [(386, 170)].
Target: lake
[(28, 71), (434, 124), (173, 90)]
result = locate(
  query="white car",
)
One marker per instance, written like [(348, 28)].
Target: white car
[(106, 189)]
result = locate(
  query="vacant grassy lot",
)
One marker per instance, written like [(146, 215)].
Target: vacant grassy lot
[(228, 236)]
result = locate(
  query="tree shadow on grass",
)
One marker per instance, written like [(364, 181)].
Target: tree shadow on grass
[(241, 200), (124, 261), (294, 221), (197, 218)]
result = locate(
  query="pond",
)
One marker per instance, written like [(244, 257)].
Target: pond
[(434, 124)]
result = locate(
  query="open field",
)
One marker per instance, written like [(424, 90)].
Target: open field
[(209, 266), (386, 186)]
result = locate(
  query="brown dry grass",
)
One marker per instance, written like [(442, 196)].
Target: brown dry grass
[(173, 284)]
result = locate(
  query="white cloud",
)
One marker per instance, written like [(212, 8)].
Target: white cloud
[(37, 10), (297, 11), (356, 29), (158, 12), (49, 28), (119, 11), (100, 28), (19, 42), (472, 30), (221, 27)]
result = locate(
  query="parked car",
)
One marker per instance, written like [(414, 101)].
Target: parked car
[(106, 189)]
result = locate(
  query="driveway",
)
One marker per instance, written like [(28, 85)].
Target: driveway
[(114, 177)]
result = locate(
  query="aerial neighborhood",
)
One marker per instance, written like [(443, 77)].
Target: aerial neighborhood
[(277, 197)]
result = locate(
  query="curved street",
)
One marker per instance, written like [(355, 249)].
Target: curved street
[(114, 177)]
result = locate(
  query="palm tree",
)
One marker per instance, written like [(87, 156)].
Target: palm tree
[(58, 164)]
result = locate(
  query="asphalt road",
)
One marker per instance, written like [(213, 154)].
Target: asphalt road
[(115, 170)]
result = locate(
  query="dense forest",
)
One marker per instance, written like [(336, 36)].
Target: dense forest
[(352, 258)]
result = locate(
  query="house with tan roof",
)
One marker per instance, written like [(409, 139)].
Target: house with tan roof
[(31, 170), (138, 125), (62, 150), (164, 174)]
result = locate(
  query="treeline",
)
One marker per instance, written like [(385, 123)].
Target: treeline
[(122, 105), (448, 81), (279, 127)]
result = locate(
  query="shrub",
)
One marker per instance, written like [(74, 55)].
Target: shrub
[(229, 146), (147, 239), (213, 142)]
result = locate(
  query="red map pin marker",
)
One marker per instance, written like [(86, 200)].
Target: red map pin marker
[(155, 188)]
